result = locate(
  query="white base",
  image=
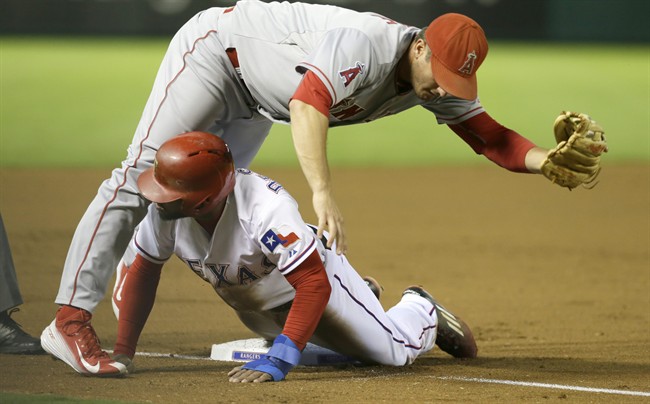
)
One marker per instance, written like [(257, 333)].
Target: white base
[(246, 350)]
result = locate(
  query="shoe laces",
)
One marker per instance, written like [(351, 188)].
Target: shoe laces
[(87, 338)]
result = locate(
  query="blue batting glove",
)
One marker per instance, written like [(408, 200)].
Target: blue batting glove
[(280, 359)]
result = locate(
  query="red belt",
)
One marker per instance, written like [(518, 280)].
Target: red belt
[(232, 52), (232, 55)]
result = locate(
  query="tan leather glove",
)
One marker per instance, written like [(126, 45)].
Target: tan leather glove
[(576, 158)]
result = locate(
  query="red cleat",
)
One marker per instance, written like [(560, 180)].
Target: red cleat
[(73, 340)]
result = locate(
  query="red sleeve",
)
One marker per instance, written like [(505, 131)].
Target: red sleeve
[(138, 295), (312, 91), (503, 146), (312, 294)]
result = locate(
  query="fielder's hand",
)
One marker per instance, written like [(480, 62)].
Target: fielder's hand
[(576, 159), (329, 216)]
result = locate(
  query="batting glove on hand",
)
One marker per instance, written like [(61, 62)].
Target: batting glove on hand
[(280, 359)]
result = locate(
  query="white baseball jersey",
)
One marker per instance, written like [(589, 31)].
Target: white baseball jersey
[(354, 54), (259, 238)]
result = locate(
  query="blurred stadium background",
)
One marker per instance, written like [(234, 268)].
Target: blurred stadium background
[(75, 74), (583, 20)]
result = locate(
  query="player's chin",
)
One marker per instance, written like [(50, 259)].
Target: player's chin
[(171, 216), (168, 214), (424, 95)]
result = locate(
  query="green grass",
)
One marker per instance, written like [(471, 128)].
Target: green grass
[(15, 398), (76, 102)]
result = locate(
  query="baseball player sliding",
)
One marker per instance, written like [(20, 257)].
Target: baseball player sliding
[(242, 233), (234, 71)]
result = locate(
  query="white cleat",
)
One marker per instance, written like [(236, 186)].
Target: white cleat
[(75, 342)]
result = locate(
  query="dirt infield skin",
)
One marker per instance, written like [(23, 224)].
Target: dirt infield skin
[(555, 284)]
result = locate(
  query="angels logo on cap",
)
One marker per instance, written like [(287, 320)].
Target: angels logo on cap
[(458, 47), (468, 67)]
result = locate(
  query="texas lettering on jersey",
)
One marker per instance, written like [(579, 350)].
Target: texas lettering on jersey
[(227, 275)]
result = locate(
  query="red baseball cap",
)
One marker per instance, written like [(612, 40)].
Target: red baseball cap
[(458, 47)]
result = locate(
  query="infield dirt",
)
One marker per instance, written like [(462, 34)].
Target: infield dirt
[(555, 285)]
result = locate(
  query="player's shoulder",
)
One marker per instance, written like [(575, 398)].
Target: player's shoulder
[(376, 27), (383, 36), (257, 196), (251, 184)]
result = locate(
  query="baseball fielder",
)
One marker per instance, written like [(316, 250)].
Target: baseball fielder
[(234, 71), (243, 233)]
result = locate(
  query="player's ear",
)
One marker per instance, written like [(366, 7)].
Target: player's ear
[(419, 47)]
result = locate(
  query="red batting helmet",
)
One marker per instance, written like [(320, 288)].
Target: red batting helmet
[(195, 167)]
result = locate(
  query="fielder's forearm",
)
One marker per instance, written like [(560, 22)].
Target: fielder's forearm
[(309, 131), (499, 144)]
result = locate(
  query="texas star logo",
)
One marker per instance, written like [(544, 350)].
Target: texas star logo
[(272, 238)]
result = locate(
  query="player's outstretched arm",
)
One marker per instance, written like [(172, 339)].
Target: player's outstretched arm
[(309, 130), (313, 290)]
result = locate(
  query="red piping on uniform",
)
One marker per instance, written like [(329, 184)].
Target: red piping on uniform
[(326, 78), (101, 217), (312, 91), (299, 257)]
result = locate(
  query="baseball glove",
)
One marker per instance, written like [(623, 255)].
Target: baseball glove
[(576, 158)]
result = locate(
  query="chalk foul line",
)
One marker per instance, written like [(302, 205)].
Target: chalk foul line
[(544, 385), (460, 379)]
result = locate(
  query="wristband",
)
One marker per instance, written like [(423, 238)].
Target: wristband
[(280, 359)]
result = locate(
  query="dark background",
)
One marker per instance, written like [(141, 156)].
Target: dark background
[(539, 20)]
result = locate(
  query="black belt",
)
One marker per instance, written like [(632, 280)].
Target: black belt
[(323, 239)]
